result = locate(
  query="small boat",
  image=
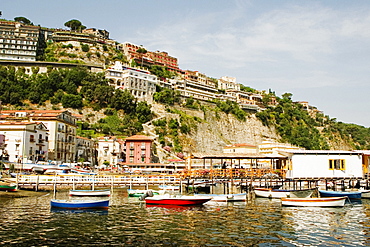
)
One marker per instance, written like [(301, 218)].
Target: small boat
[(79, 204), (226, 197), (365, 194), (89, 192), (178, 200), (281, 193), (349, 194), (138, 193), (314, 202), (5, 186)]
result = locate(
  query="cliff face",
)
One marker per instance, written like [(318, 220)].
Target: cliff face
[(216, 132), (217, 129)]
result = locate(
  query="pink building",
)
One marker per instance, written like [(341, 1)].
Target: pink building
[(138, 149)]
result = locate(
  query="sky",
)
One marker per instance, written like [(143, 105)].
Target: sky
[(319, 51)]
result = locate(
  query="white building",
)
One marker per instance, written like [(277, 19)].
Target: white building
[(324, 164), (109, 150), (139, 83), (85, 149), (26, 142), (60, 124)]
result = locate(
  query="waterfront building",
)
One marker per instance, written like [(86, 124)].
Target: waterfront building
[(240, 148), (138, 149), (323, 164), (61, 125), (140, 83), (109, 151), (85, 149), (18, 41), (26, 142)]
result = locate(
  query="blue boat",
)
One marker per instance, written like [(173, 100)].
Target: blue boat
[(349, 194), (85, 204)]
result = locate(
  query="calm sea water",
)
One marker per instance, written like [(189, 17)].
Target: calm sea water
[(129, 222)]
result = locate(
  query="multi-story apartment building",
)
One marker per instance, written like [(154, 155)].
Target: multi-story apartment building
[(26, 142), (228, 83), (139, 83), (109, 150), (18, 41), (268, 147), (62, 130), (150, 58), (138, 149), (86, 150)]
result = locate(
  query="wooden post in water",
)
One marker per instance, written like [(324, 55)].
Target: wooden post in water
[(112, 184), (37, 183), (73, 183), (55, 186), (130, 182), (17, 180), (93, 183), (147, 183)]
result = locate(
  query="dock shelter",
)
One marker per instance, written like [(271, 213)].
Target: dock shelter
[(236, 160)]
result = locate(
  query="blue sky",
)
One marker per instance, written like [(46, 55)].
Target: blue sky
[(317, 50)]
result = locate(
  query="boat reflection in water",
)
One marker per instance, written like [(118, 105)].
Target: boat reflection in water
[(79, 211), (178, 208)]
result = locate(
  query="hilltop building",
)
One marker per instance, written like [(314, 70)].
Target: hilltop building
[(139, 83), (18, 41)]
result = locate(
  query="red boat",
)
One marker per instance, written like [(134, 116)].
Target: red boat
[(180, 200)]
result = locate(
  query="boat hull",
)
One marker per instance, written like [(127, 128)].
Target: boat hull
[(8, 187), (278, 193), (314, 202), (349, 194), (138, 193), (89, 192), (79, 204), (182, 201), (226, 197)]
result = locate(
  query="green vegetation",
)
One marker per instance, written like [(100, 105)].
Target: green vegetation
[(75, 88), (166, 96), (296, 126), (75, 25), (231, 107), (23, 20)]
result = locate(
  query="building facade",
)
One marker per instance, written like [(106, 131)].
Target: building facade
[(138, 149), (140, 83), (18, 41), (62, 130), (109, 150), (26, 142)]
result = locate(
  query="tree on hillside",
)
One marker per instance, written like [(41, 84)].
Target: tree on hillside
[(142, 51), (23, 20), (75, 25)]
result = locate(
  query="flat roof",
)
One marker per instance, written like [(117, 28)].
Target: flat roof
[(236, 156)]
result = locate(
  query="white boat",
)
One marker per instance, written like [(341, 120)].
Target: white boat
[(280, 193), (314, 202), (365, 194), (89, 192), (226, 197)]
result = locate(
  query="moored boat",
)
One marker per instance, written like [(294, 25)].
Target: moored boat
[(85, 204), (226, 197), (349, 194), (314, 202), (138, 193), (178, 200), (89, 192), (281, 193), (4, 186)]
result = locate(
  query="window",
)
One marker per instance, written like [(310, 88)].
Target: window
[(336, 164)]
